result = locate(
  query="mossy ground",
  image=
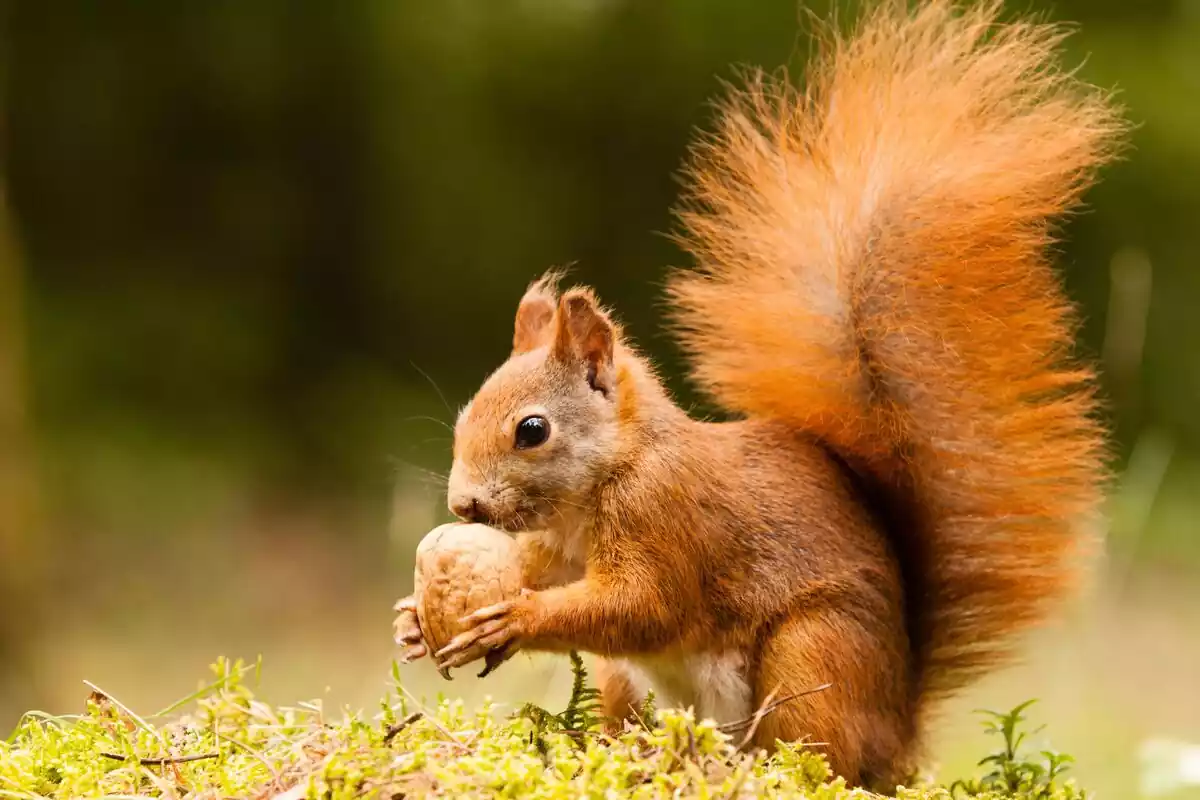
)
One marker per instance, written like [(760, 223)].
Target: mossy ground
[(222, 742)]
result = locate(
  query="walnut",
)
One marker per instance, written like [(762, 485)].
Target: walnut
[(462, 568)]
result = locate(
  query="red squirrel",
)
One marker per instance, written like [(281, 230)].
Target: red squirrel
[(914, 459)]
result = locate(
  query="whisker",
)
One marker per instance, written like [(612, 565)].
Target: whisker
[(554, 501), (426, 418), (427, 474), (430, 480), (432, 383)]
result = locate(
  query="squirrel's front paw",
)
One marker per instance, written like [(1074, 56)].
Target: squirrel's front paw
[(407, 631), (495, 634)]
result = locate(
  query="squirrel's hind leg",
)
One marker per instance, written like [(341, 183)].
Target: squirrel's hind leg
[(861, 722), (622, 691)]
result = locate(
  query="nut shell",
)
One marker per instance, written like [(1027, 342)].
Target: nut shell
[(461, 568)]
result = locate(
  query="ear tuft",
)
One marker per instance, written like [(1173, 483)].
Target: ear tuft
[(535, 312), (585, 333)]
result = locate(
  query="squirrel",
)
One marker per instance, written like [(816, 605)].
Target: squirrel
[(913, 456)]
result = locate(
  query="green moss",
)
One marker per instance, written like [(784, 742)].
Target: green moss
[(232, 745)]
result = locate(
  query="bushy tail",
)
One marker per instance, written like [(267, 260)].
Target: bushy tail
[(872, 268)]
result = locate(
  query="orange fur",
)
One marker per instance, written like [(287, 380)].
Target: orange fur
[(872, 268), (918, 454)]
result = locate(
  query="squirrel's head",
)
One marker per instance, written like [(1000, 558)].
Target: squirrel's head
[(543, 429)]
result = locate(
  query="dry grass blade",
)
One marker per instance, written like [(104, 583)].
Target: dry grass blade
[(750, 724)]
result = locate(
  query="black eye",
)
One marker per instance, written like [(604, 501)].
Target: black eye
[(532, 431)]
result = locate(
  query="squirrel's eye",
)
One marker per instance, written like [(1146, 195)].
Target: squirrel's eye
[(532, 431)]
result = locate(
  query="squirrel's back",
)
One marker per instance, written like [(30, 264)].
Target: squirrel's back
[(872, 268)]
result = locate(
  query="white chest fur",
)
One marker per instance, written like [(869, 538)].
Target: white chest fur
[(714, 685)]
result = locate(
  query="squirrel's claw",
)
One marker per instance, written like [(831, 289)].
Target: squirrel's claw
[(495, 658), (406, 631), (475, 643), (412, 653), (488, 613), (495, 628)]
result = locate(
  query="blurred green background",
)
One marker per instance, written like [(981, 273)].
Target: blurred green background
[(252, 255)]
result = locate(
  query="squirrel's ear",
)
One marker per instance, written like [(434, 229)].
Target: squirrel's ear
[(584, 333), (534, 314)]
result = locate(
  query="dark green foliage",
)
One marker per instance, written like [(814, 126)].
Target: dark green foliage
[(309, 216)]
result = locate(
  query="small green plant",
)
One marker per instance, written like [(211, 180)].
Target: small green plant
[(581, 715), (649, 710), (583, 709), (1013, 772)]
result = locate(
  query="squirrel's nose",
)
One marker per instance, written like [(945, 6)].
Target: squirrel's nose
[(467, 507)]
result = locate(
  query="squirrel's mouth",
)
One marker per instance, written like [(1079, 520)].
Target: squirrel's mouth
[(529, 514), (518, 519), (511, 514)]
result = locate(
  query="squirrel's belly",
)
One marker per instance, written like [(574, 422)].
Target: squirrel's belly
[(715, 685)]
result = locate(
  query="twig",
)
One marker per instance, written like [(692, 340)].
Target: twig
[(155, 762), (401, 725), (637, 714), (766, 708), (751, 723)]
